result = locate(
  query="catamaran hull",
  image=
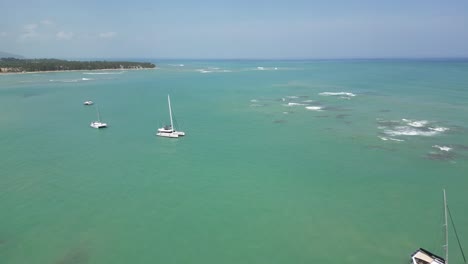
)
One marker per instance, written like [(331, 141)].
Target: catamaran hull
[(98, 125), (169, 135), (168, 130), (425, 256)]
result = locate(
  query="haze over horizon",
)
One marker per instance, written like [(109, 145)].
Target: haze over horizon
[(235, 29)]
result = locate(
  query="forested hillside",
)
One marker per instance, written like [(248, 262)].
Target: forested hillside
[(34, 65)]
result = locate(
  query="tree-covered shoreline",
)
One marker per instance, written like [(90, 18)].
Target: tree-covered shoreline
[(37, 65)]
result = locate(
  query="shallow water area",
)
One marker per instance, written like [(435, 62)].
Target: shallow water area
[(282, 162)]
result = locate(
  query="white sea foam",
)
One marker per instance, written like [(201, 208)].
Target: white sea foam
[(308, 101), (392, 139), (439, 129), (314, 108), (294, 104), (409, 131), (347, 94), (261, 68), (292, 97), (66, 81), (103, 73), (407, 127), (71, 80), (212, 70), (254, 100), (443, 148), (421, 123)]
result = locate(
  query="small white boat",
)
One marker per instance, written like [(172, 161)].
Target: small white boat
[(423, 256), (98, 123), (169, 130), (88, 102)]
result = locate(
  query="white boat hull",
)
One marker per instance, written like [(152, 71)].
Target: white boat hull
[(168, 130), (165, 130), (98, 125), (169, 135)]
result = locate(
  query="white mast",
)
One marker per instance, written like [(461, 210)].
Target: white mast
[(446, 228), (170, 112), (98, 116)]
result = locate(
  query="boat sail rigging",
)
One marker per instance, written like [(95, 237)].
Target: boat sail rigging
[(423, 256), (169, 130), (98, 124)]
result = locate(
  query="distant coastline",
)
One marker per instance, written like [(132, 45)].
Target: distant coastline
[(96, 70), (14, 65)]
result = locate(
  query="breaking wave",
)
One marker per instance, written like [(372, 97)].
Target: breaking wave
[(297, 100), (102, 73), (392, 139), (71, 80), (442, 148), (346, 95), (66, 81), (212, 70), (314, 108), (407, 127), (294, 104), (260, 68)]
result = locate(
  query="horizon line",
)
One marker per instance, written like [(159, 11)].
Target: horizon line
[(265, 59)]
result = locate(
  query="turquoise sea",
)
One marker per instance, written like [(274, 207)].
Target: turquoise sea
[(333, 161)]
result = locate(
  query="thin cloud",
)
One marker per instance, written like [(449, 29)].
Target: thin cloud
[(3, 34), (29, 31), (47, 22), (107, 35), (62, 35), (30, 27)]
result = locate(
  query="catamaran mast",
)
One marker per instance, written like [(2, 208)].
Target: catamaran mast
[(170, 111), (98, 116), (446, 229)]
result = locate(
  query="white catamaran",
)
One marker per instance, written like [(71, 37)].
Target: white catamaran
[(169, 130), (98, 124), (422, 256)]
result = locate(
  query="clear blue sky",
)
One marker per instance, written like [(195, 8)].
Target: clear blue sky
[(235, 29)]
